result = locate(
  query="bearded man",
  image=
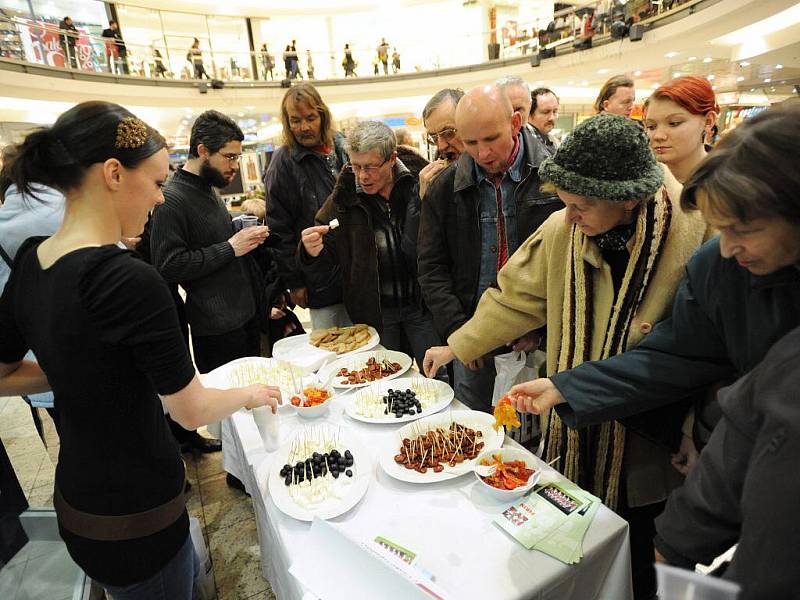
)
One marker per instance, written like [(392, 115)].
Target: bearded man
[(193, 244)]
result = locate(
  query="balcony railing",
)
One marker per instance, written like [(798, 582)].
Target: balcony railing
[(44, 43)]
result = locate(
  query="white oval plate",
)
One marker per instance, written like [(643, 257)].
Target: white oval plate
[(257, 369), (359, 361), (439, 395), (297, 346), (351, 492), (473, 419)]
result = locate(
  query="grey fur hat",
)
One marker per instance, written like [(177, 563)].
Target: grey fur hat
[(607, 156)]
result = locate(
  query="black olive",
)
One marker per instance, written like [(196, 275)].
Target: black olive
[(349, 473), (349, 462), (335, 474), (288, 480), (348, 454)]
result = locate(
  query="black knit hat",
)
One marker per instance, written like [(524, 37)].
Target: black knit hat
[(607, 156)]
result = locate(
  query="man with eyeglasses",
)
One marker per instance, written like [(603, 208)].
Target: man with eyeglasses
[(439, 118), (377, 205), (192, 244), (299, 179), (474, 216)]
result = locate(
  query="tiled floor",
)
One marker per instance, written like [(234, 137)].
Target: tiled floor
[(226, 515)]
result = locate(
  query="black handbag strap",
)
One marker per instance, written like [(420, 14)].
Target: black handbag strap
[(6, 257)]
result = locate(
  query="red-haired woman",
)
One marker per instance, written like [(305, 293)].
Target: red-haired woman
[(678, 115)]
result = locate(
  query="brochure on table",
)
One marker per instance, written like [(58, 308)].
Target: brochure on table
[(553, 519)]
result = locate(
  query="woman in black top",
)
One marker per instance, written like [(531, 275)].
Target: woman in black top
[(105, 330)]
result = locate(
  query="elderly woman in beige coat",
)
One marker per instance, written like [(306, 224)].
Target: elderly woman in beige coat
[(598, 274)]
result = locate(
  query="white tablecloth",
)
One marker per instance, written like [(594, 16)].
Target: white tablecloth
[(448, 524)]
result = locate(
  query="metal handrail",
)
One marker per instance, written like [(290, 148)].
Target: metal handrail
[(97, 54)]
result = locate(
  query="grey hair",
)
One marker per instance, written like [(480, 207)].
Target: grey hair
[(512, 80), (372, 135), (439, 98)]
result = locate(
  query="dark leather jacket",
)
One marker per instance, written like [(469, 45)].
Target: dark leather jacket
[(353, 247), (449, 248), (298, 181)]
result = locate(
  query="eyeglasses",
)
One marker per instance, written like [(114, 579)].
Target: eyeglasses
[(231, 158), (369, 170), (446, 134)]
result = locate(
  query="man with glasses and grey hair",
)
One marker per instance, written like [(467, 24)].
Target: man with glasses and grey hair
[(376, 203), (439, 118), (474, 216)]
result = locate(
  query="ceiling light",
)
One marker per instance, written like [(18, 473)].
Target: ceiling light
[(570, 83), (767, 80), (711, 77), (707, 59), (692, 58), (752, 89), (773, 89), (241, 114), (740, 78), (744, 63), (655, 85), (671, 54), (584, 82), (778, 66), (602, 71), (637, 73)]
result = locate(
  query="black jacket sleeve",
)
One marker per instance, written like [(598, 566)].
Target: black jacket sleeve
[(283, 213), (434, 265), (170, 251), (682, 354)]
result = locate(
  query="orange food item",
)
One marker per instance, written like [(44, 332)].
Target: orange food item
[(508, 475), (296, 400), (505, 415), (314, 396)]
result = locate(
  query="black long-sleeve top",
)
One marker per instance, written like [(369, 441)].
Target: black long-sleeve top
[(189, 246)]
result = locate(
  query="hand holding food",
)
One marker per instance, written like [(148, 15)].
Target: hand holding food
[(505, 415), (312, 239), (536, 397)]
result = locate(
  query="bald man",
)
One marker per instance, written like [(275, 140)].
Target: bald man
[(475, 215)]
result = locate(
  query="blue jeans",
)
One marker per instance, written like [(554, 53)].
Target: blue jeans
[(176, 581)]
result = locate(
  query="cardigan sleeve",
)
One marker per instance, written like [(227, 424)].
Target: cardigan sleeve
[(518, 304)]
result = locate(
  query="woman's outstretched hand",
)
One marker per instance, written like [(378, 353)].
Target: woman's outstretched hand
[(537, 396)]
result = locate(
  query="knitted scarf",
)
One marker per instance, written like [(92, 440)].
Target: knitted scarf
[(592, 457)]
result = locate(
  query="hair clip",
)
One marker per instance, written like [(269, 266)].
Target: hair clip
[(131, 134)]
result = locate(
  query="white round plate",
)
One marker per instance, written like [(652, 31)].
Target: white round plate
[(296, 347), (437, 393), (350, 489), (471, 418), (359, 361), (257, 369)]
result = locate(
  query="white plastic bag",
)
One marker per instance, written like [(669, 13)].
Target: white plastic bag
[(207, 589), (514, 368)]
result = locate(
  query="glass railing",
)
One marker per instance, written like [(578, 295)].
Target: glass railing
[(570, 30)]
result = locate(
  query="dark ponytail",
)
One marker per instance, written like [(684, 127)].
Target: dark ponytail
[(86, 134)]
